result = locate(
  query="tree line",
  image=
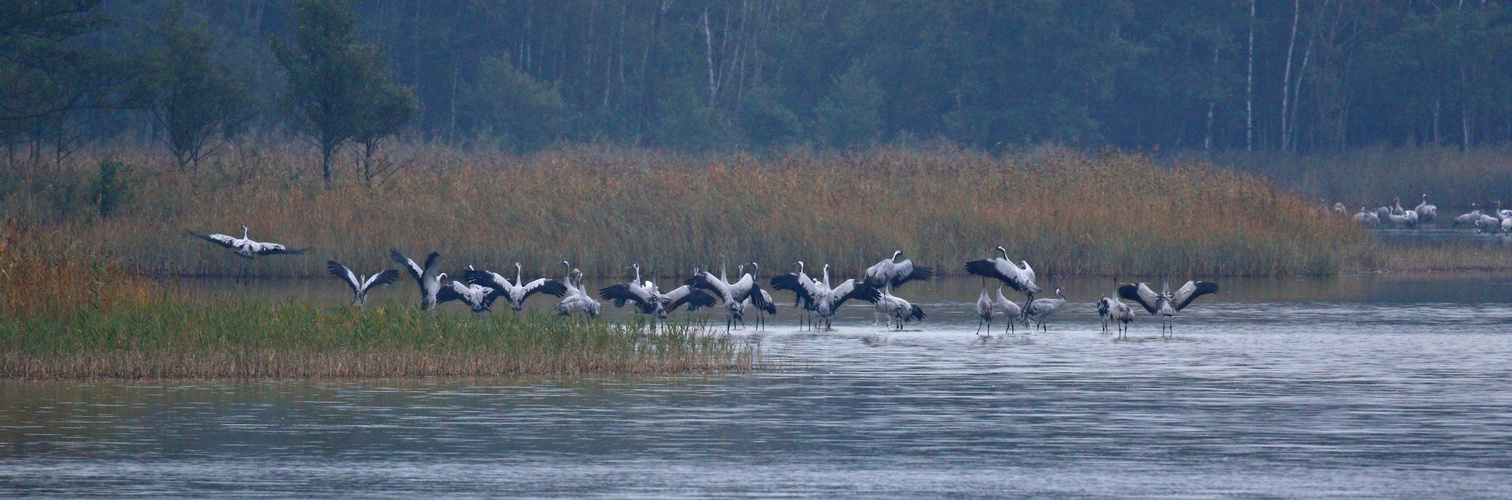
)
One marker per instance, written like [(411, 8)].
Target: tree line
[(1288, 75)]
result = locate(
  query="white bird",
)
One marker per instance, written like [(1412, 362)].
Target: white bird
[(799, 283), (1396, 220), (1123, 314), (1019, 278), (984, 310), (1367, 219), (518, 291), (1104, 308), (733, 295), (1166, 303), (763, 304), (1488, 224), (1010, 310), (826, 299), (576, 300), (1338, 207), (360, 284), (245, 247), (895, 308), (1039, 310), (428, 278), (889, 272), (1426, 212), (1467, 219), (479, 297), (650, 301), (1502, 214)]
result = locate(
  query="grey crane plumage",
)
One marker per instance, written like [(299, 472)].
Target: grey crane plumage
[(759, 300), (429, 278), (1367, 218), (1040, 310), (245, 247), (800, 284), (1166, 303), (896, 308), (895, 273), (984, 307), (517, 291), (1004, 270), (479, 297), (1426, 211), (650, 301), (576, 300), (359, 284), (1008, 308), (1469, 218), (826, 300), (732, 295)]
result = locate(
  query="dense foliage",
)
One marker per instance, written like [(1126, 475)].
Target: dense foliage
[(1290, 75)]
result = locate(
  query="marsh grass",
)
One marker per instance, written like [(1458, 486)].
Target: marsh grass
[(604, 208), (190, 339), (68, 312)]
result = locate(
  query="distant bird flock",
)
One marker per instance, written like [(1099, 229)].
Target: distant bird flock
[(818, 299), (1492, 220)]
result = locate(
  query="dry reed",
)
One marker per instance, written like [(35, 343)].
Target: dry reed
[(605, 208)]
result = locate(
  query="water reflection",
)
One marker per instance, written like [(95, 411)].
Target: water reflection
[(1357, 386)]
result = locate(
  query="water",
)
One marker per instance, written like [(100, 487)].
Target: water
[(1362, 386)]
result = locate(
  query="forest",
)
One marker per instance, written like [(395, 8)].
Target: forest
[(1233, 75)]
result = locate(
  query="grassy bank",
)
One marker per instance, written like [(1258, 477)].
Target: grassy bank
[(74, 314), (182, 339), (604, 208)]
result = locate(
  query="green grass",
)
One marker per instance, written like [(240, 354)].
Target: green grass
[(191, 339), (69, 312)]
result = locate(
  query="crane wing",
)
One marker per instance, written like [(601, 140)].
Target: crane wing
[(1190, 291), (1003, 271), (414, 269), (486, 278), (448, 293), (743, 287), (546, 286), (794, 283), (763, 301), (906, 271), (432, 265), (219, 239), (383, 278), (880, 273), (626, 291), (707, 281), (263, 248), (1142, 294), (346, 275), (693, 298), (852, 290)]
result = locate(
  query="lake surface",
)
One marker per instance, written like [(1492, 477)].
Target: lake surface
[(1360, 386)]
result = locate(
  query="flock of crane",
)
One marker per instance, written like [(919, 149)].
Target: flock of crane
[(1395, 216), (818, 299)]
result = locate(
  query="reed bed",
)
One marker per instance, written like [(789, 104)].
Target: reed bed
[(182, 339), (604, 208), (68, 313)]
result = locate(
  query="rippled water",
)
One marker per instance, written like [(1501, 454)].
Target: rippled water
[(1365, 386)]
